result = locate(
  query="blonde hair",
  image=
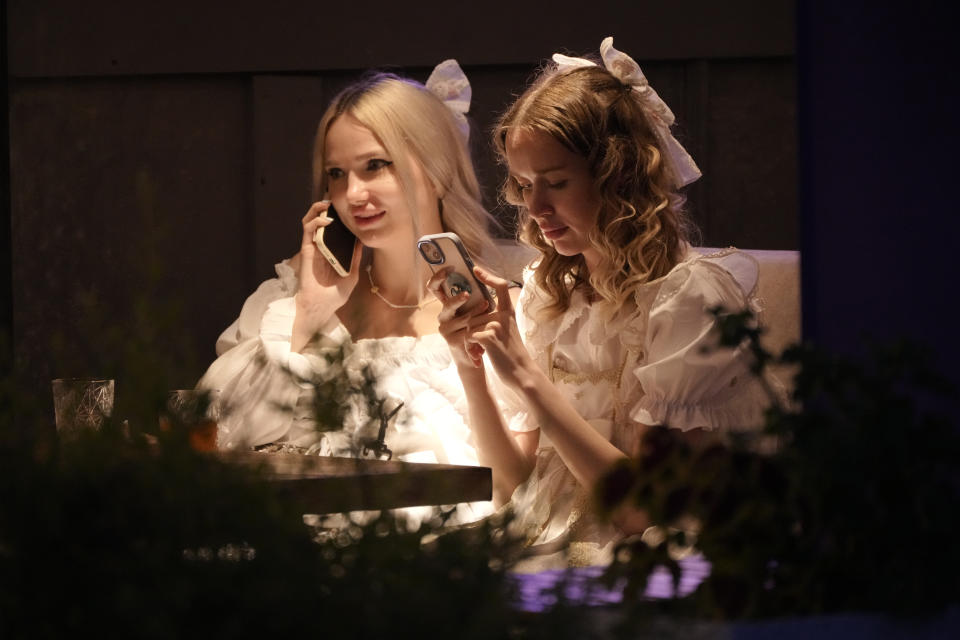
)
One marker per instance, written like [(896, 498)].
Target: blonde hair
[(641, 230), (408, 120)]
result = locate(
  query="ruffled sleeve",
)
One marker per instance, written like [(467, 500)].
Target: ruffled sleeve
[(248, 324), (686, 379), (257, 373)]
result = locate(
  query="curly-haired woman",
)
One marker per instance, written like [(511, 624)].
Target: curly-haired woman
[(612, 331)]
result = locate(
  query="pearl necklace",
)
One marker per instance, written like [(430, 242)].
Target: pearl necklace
[(375, 290)]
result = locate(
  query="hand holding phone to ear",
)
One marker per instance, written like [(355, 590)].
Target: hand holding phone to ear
[(336, 242), (322, 289)]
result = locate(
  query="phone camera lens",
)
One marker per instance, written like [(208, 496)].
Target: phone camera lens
[(431, 252)]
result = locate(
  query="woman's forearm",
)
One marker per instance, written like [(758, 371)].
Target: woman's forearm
[(497, 446), (587, 454)]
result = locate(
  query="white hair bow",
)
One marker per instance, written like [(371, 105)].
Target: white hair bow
[(625, 69), (450, 84)]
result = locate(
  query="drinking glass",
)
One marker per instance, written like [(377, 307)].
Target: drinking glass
[(81, 403)]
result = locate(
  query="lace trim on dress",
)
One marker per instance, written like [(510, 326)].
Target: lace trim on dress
[(720, 253), (753, 301), (720, 259), (672, 283), (676, 279), (539, 335), (596, 377), (613, 375)]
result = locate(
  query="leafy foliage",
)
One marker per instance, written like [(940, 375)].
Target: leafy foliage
[(158, 541), (131, 530), (854, 510)]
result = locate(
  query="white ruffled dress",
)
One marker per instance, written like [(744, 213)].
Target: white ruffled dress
[(646, 366), (269, 405)]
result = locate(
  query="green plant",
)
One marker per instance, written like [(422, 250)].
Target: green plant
[(854, 510), (154, 540), (130, 531)]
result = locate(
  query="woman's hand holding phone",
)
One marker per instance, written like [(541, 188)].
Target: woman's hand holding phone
[(455, 325), (322, 289), (457, 287), (498, 335), (495, 332)]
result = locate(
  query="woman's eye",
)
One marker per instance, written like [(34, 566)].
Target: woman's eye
[(560, 184), (334, 173), (377, 164), (523, 187)]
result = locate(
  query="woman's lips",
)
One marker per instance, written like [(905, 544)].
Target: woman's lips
[(554, 233), (367, 220)]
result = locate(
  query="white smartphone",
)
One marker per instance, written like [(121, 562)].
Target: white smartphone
[(446, 250), (336, 243)]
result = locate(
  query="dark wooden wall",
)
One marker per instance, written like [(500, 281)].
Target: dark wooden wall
[(160, 151)]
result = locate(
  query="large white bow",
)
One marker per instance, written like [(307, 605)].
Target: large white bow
[(625, 69), (450, 84)]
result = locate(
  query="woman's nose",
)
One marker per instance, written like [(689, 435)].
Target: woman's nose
[(538, 203), (357, 193)]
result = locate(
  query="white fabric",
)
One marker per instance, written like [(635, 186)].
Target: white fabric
[(268, 405), (627, 71), (650, 364), (448, 82)]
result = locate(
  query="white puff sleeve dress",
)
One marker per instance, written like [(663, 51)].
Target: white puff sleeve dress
[(654, 363), (266, 404)]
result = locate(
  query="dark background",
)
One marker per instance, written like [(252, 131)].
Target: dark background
[(160, 152)]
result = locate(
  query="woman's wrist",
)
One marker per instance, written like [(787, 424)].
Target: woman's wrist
[(310, 308), (535, 387), (309, 321), (314, 315), (530, 379), (471, 375)]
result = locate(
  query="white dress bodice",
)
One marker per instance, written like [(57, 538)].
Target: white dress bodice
[(654, 362), (263, 386)]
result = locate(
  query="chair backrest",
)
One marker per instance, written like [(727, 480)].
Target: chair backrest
[(779, 292)]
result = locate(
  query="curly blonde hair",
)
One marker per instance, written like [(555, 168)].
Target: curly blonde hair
[(409, 120), (642, 229)]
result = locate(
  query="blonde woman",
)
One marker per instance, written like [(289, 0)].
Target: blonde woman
[(611, 327), (391, 156)]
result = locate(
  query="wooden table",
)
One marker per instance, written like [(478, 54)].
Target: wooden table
[(330, 485)]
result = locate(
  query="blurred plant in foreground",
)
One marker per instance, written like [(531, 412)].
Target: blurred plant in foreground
[(130, 531), (853, 510)]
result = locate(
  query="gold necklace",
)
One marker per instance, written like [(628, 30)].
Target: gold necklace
[(375, 290)]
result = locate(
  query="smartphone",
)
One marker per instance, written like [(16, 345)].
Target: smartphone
[(336, 243), (446, 250)]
